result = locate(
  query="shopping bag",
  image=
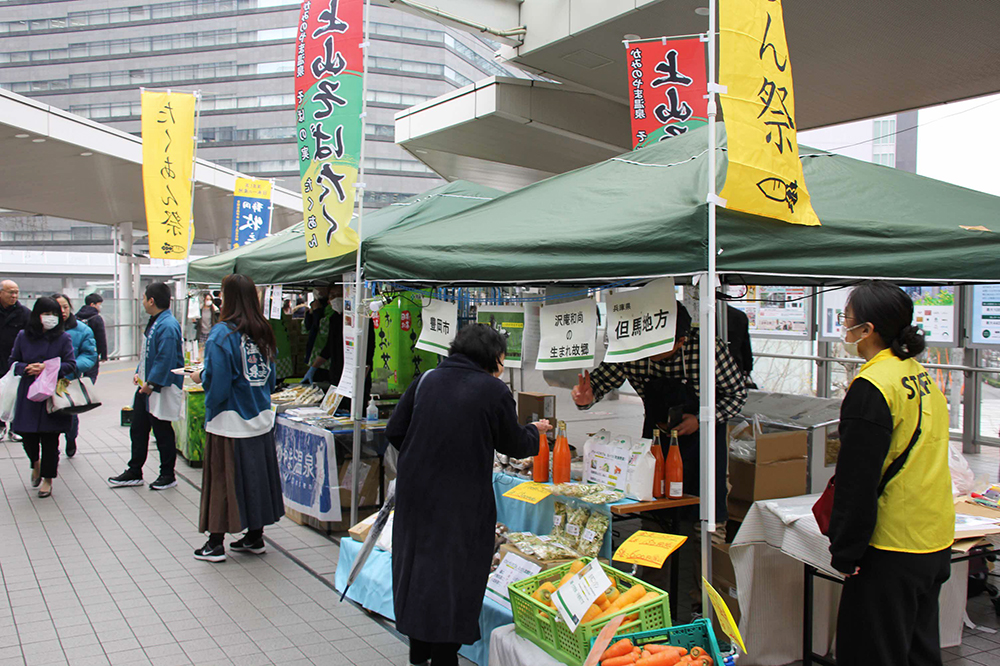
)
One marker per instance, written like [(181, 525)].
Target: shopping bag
[(824, 507), (45, 383), (8, 395), (73, 396)]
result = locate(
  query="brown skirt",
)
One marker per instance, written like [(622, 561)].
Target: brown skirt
[(241, 484)]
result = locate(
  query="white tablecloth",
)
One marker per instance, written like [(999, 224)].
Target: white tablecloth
[(776, 538), (509, 649)]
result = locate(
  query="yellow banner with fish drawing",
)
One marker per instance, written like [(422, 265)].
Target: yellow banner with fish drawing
[(167, 166), (764, 176)]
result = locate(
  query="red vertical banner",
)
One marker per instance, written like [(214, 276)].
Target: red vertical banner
[(668, 87)]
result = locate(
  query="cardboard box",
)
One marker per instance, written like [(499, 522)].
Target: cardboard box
[(780, 471), (724, 578), (360, 531), (543, 404)]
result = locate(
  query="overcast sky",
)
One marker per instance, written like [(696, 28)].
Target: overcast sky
[(960, 143)]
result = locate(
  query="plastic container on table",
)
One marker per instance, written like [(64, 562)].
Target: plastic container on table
[(537, 621), (699, 633)]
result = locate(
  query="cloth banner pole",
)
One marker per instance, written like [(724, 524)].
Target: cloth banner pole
[(360, 314), (707, 300)]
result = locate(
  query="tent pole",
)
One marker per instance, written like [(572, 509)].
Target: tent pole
[(360, 316), (708, 325)]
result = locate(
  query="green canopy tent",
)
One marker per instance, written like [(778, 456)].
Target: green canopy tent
[(281, 258), (644, 214)]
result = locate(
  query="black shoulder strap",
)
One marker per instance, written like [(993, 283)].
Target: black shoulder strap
[(420, 382), (900, 460)]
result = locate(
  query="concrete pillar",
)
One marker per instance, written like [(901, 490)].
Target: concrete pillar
[(126, 305)]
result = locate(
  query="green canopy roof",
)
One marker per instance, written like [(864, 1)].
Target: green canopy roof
[(281, 258), (644, 214)]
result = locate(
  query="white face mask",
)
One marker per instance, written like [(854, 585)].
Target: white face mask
[(49, 321), (850, 347)]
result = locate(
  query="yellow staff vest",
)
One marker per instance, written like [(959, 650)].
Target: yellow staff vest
[(916, 513)]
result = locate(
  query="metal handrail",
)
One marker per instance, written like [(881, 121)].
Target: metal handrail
[(860, 361)]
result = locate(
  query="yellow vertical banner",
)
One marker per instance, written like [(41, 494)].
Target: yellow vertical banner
[(167, 167), (764, 176)]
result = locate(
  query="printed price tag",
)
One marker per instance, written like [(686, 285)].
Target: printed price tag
[(573, 530), (589, 535), (557, 520), (722, 614), (648, 549), (511, 570), (530, 492), (576, 595)]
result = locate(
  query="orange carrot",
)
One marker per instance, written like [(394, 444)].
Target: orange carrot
[(622, 647), (591, 614), (666, 648), (660, 659), (602, 601), (627, 660)]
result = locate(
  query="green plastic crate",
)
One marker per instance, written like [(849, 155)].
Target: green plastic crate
[(699, 633), (537, 622)]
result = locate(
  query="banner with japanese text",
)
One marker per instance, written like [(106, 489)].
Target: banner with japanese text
[(642, 322), (668, 84), (440, 320), (328, 99), (568, 335), (167, 167), (764, 176), (251, 211)]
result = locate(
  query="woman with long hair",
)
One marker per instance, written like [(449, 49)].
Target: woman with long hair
[(43, 338), (241, 487), (893, 518), (85, 350)]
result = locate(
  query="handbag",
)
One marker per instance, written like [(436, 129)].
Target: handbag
[(823, 508), (73, 396)]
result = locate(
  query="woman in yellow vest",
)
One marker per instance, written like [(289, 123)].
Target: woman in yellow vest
[(892, 525)]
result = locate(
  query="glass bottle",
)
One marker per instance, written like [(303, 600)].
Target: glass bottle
[(659, 476), (561, 456), (674, 469), (540, 468)]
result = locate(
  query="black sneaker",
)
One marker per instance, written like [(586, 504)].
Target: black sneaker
[(163, 482), (129, 477), (242, 546), (71, 448), (210, 553)]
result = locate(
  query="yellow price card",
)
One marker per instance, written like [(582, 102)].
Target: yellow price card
[(722, 613), (530, 492), (648, 549)]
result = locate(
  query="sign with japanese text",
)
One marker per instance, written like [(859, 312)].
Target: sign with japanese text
[(307, 463), (729, 625), (642, 322), (764, 176), (529, 492), (276, 303), (509, 321), (167, 167), (251, 211), (568, 335), (668, 87), (440, 320), (575, 596), (648, 549), (328, 101), (511, 570), (345, 386)]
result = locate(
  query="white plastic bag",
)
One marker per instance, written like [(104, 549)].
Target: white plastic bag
[(962, 476), (642, 472), (8, 395)]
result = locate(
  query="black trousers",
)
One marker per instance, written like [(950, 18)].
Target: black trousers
[(46, 444), (166, 442), (889, 611), (438, 654)]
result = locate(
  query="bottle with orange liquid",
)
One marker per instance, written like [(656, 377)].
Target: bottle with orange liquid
[(674, 469), (540, 469), (659, 476), (561, 456)]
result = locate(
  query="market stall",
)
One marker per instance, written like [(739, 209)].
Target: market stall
[(642, 215)]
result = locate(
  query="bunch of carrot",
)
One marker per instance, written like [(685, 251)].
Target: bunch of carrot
[(624, 653), (611, 602)]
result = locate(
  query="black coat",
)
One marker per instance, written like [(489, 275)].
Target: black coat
[(89, 315), (12, 321), (443, 530)]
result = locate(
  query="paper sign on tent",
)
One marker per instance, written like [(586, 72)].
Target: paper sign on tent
[(642, 322)]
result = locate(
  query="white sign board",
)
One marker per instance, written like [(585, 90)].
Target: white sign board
[(568, 335), (511, 570), (831, 304), (642, 322), (935, 312), (275, 302), (440, 323), (576, 595), (345, 386), (778, 312), (985, 329)]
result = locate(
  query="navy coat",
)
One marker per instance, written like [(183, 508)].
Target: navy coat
[(30, 416), (443, 529), (12, 321)]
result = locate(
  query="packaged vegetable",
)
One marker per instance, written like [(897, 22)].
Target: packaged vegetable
[(592, 537), (604, 497), (576, 520), (559, 519)]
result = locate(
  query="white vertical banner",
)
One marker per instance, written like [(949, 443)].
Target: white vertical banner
[(265, 305), (642, 322), (440, 323), (568, 335), (276, 301), (346, 385)]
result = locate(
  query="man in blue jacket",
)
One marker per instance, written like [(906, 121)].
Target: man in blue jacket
[(159, 399)]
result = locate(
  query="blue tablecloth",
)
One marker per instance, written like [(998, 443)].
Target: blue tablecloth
[(373, 590)]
